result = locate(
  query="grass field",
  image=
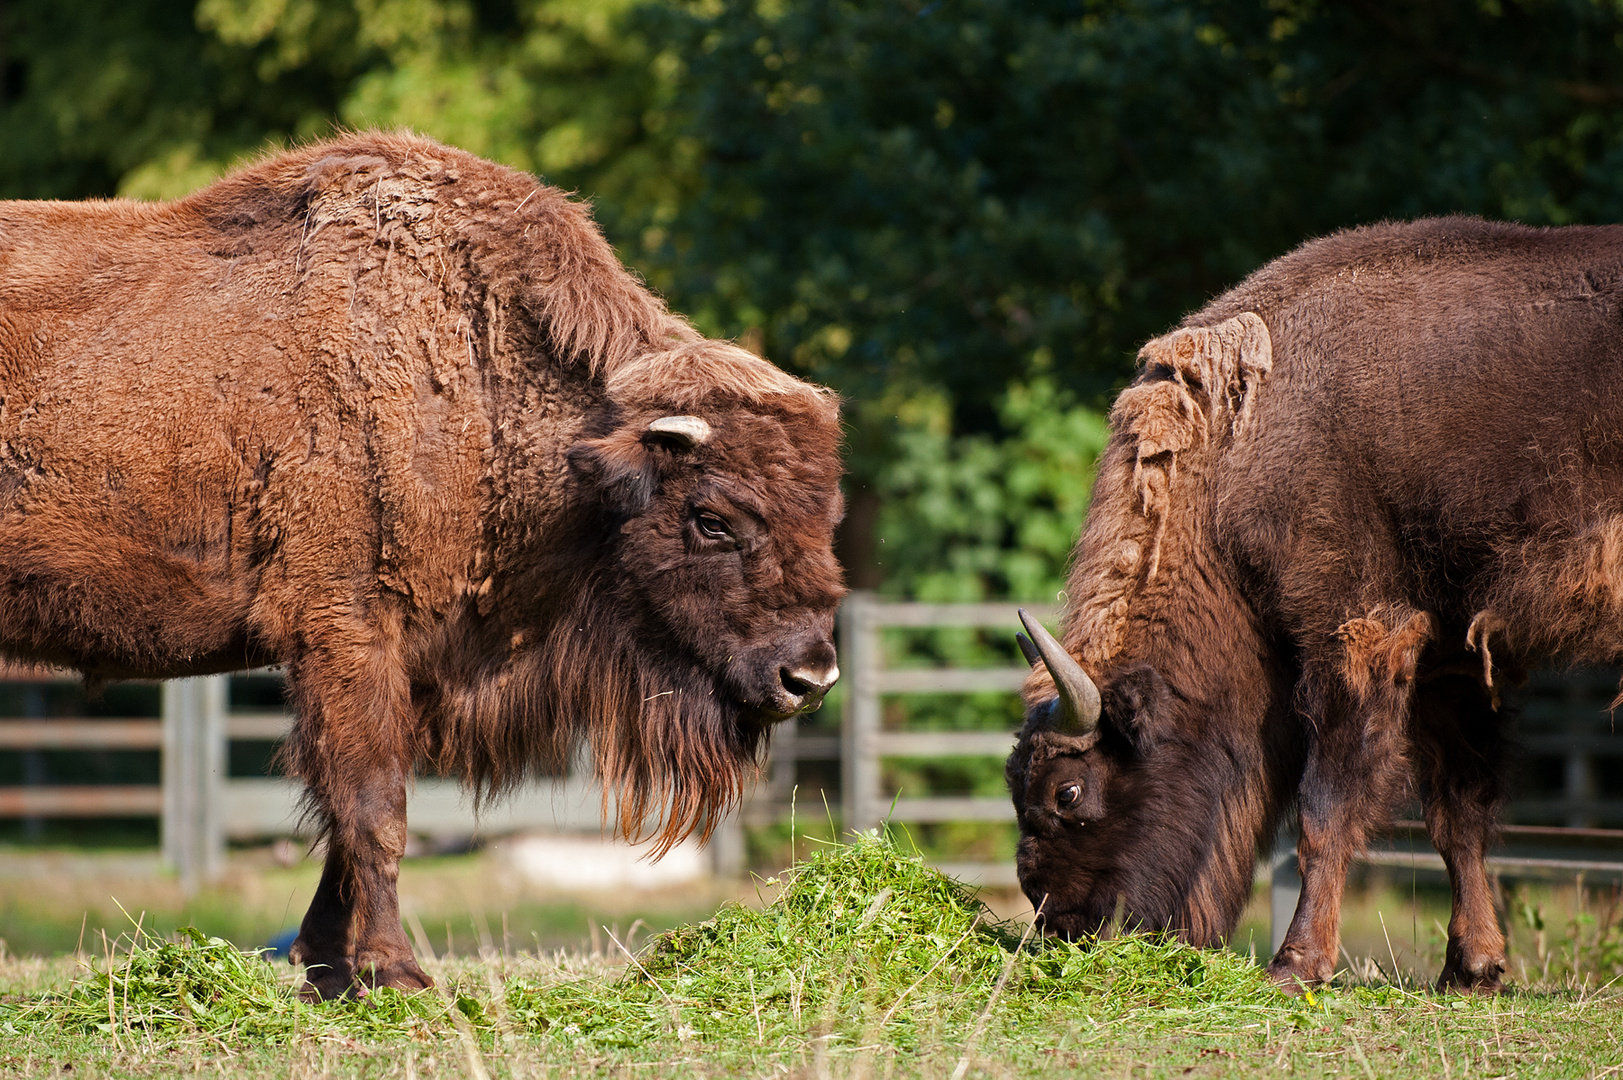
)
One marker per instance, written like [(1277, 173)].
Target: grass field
[(858, 962)]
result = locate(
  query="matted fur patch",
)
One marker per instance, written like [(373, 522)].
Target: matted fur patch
[(1382, 647), (1198, 387)]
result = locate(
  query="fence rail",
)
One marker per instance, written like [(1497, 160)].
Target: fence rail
[(201, 807), (864, 804)]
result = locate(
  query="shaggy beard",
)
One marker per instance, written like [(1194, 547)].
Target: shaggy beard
[(673, 752)]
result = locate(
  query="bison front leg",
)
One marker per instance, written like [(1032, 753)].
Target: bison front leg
[(1354, 709), (383, 956), (351, 938), (353, 751), (1459, 739), (325, 943), (1307, 956)]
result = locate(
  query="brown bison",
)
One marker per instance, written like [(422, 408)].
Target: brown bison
[(1341, 506), (395, 417)]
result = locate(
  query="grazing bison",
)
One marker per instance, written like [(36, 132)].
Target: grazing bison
[(396, 418), (1340, 508)]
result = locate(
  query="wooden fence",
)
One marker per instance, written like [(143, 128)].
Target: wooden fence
[(865, 742), (201, 807), (1571, 776), (1572, 765)]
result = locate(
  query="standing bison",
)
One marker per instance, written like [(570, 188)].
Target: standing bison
[(1341, 507), (396, 418)]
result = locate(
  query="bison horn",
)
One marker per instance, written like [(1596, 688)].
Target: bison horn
[(689, 430), (1027, 649), (1078, 697)]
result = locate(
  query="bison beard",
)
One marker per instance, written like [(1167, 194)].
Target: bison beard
[(1341, 507), (396, 417)]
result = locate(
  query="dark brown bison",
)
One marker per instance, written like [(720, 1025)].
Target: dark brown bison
[(1341, 506), (396, 418)]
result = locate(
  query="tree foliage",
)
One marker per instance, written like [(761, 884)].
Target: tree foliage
[(935, 206), (962, 191), (964, 517)]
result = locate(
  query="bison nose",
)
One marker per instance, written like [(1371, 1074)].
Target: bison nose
[(806, 686)]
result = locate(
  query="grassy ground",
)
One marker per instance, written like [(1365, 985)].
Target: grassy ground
[(52, 903), (860, 962)]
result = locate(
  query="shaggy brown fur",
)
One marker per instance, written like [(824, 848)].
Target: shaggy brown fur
[(379, 410), (1392, 449)]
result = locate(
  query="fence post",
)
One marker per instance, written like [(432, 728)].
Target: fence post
[(859, 728), (193, 769)]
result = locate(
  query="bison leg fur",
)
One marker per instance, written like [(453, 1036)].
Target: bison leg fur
[(1458, 739), (1307, 956), (352, 749), (383, 956), (1355, 766), (325, 945), (351, 939)]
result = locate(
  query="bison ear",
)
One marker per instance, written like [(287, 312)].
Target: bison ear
[(621, 467), (1137, 705)]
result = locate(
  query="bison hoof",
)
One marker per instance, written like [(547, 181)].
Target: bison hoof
[(326, 982), (401, 973), (1294, 972), (328, 970), (1460, 977)]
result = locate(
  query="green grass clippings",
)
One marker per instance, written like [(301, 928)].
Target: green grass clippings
[(860, 940), (204, 987), (865, 940), (863, 962)]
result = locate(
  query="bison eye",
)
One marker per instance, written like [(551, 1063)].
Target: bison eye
[(1069, 794), (712, 526)]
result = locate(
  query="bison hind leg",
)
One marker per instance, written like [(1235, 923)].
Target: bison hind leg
[(1459, 747)]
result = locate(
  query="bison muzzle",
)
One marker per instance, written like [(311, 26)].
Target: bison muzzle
[(1341, 508), (396, 418)]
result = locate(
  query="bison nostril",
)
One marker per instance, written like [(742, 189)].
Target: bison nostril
[(804, 682), (796, 688)]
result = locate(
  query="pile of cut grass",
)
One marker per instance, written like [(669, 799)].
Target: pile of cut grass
[(861, 942), (865, 962), (196, 986), (867, 942)]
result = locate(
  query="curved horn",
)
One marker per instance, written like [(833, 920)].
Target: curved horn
[(689, 430), (1079, 698)]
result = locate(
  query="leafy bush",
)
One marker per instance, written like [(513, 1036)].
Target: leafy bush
[(974, 517)]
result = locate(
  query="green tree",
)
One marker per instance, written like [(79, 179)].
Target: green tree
[(933, 205), (958, 192), (153, 98), (932, 200)]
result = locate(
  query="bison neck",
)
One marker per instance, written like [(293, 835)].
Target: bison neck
[(1205, 810), (1219, 751)]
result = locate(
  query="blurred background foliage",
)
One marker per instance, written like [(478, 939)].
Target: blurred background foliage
[(963, 214)]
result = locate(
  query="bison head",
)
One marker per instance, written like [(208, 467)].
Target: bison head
[(1119, 812), (720, 553)]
